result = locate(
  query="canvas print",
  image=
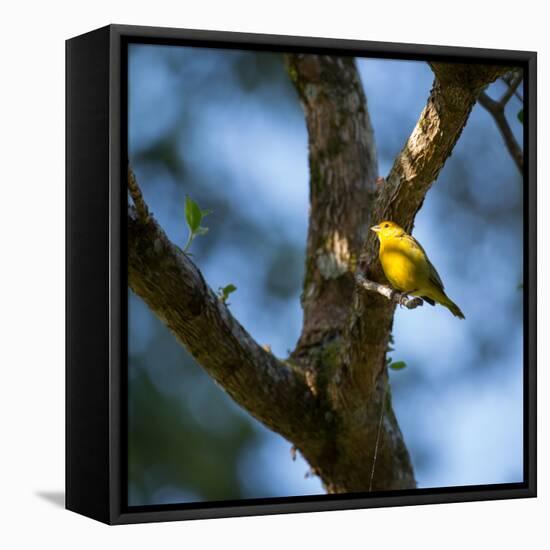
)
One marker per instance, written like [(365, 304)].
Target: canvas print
[(325, 275)]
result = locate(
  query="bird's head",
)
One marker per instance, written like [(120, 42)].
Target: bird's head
[(387, 229)]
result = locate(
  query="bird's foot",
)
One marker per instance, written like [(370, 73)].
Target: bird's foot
[(410, 302), (403, 299)]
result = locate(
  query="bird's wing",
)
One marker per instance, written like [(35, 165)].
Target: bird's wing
[(434, 275)]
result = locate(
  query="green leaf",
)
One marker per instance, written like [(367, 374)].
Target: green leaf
[(224, 292), (398, 365), (193, 214), (520, 116)]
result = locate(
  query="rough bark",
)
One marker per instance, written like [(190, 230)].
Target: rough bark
[(330, 398), (343, 173), (343, 169), (174, 289)]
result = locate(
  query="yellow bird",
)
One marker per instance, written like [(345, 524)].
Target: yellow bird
[(407, 267)]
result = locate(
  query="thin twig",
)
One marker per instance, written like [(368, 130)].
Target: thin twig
[(512, 85), (389, 293), (378, 434), (508, 79), (496, 110), (135, 192)]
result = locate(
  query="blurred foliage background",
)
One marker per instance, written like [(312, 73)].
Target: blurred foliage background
[(225, 127)]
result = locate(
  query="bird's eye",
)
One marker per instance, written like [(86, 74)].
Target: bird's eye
[(386, 225)]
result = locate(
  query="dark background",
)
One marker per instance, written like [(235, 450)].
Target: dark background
[(226, 128)]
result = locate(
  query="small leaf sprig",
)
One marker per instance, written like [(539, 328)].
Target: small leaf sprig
[(194, 216), (225, 291)]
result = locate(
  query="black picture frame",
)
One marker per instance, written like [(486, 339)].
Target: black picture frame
[(96, 285)]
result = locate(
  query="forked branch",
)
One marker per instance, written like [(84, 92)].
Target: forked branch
[(497, 110)]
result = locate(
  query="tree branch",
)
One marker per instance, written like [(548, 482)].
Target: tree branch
[(142, 209), (512, 80), (496, 110), (172, 286), (388, 292)]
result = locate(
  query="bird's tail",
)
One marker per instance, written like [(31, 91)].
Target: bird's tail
[(438, 295), (452, 307)]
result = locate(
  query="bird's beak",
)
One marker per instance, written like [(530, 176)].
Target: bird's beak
[(375, 228)]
